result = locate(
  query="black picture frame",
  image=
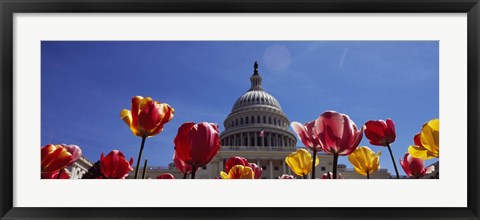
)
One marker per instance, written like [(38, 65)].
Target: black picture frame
[(9, 7)]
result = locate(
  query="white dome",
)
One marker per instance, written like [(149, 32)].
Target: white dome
[(256, 97)]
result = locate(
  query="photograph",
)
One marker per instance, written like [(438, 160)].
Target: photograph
[(240, 110)]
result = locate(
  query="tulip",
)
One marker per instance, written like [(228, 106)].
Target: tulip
[(300, 162), (197, 144), (146, 119), (165, 176), (286, 176), (365, 161), (182, 166), (307, 135), (232, 161), (382, 133), (329, 175), (338, 135), (257, 170), (62, 174), (57, 157), (147, 116), (115, 166), (427, 142), (238, 172), (414, 167)]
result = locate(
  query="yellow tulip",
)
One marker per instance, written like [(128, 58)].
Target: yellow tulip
[(427, 142), (300, 162), (365, 161), (147, 116), (238, 172)]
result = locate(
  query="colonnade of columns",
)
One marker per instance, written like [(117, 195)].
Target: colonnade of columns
[(269, 172), (254, 139)]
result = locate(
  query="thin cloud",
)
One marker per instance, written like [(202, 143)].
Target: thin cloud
[(343, 58)]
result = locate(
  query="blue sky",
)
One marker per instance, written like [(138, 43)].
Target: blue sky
[(85, 85)]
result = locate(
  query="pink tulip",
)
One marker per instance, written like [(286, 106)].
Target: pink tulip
[(257, 170), (337, 133), (286, 176), (307, 134), (414, 167), (329, 175), (181, 165), (197, 144), (165, 176)]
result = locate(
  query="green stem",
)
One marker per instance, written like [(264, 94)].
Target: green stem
[(144, 169), (185, 175), (314, 154), (368, 175), (304, 176), (393, 161), (139, 156), (194, 170), (335, 162)]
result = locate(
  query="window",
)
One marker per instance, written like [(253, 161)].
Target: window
[(275, 121), (241, 121), (253, 119), (258, 119), (246, 120), (322, 168), (275, 168), (270, 120), (236, 121)]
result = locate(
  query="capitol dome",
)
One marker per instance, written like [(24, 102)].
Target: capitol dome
[(257, 121)]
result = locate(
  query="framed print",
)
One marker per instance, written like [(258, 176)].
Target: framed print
[(258, 110)]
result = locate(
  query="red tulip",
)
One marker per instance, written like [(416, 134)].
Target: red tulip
[(232, 161), (286, 176), (181, 165), (307, 134), (337, 133), (197, 144), (257, 170), (380, 132), (64, 175), (57, 157), (115, 166), (414, 167), (166, 176)]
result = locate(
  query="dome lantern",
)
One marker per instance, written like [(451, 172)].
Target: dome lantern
[(256, 79)]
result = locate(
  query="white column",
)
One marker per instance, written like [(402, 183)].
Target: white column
[(234, 139), (248, 139), (271, 169), (284, 167), (255, 138)]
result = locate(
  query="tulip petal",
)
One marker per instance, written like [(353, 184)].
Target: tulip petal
[(421, 152), (183, 142), (302, 133), (430, 136)]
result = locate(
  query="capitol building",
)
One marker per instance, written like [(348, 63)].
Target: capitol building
[(258, 130)]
